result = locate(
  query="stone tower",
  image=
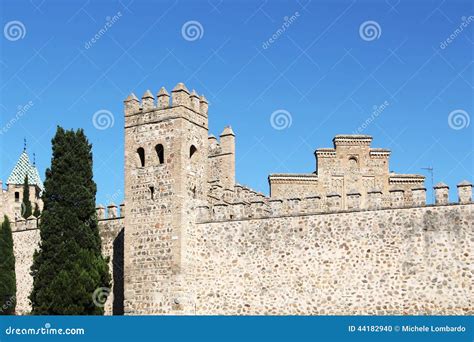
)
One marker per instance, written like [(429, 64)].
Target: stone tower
[(166, 147)]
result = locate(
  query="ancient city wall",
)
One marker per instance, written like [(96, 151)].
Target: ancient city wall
[(24, 242), (385, 262), (294, 259), (26, 238)]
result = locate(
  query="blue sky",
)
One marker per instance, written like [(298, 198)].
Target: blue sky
[(322, 71)]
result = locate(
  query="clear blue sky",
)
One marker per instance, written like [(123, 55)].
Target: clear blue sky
[(322, 69)]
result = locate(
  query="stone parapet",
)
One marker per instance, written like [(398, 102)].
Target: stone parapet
[(261, 207), (180, 96)]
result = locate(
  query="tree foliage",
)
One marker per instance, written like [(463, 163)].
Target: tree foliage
[(36, 212), (69, 267), (7, 270), (26, 209)]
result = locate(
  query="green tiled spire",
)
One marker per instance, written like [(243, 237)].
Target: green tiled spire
[(21, 169)]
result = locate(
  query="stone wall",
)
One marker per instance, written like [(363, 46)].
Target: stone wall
[(385, 262), (26, 239), (388, 261), (112, 234), (24, 242)]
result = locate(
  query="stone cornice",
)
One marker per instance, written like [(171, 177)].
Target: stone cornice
[(406, 178), (352, 140), (282, 178)]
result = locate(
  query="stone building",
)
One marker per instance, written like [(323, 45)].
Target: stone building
[(352, 167), (350, 238), (12, 197)]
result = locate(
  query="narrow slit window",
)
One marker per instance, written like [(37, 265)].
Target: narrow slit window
[(192, 151), (141, 156), (160, 152), (17, 196), (152, 192)]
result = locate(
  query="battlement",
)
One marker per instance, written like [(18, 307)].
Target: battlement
[(111, 212), (248, 204), (239, 194), (25, 224), (180, 96)]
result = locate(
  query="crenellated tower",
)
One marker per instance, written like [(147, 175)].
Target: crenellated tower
[(166, 146)]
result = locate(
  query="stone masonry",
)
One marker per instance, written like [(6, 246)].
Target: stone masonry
[(349, 238)]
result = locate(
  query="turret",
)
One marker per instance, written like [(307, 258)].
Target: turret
[(112, 210), (419, 196), (213, 144), (100, 210), (122, 209), (353, 199), (148, 101), (465, 192), (175, 138), (441, 193), (194, 99), (132, 105), (227, 139), (203, 105), (162, 99), (180, 96)]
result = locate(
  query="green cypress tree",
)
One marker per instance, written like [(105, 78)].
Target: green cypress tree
[(26, 203), (7, 270), (36, 212), (69, 266)]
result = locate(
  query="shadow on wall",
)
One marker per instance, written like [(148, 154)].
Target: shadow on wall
[(117, 263)]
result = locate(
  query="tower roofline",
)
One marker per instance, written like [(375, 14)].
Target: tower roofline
[(351, 139)]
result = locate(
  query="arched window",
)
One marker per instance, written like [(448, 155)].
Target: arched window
[(192, 151), (141, 156), (353, 163), (160, 152)]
